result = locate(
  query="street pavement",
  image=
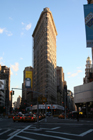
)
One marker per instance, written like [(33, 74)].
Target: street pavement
[(53, 129)]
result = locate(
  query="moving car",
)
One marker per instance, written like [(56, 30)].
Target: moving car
[(29, 118), (61, 116), (18, 118)]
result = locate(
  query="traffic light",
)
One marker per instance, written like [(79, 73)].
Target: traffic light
[(13, 93), (48, 107), (31, 105)]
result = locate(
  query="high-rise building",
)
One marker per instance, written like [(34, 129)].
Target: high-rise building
[(60, 85), (90, 1), (27, 86), (5, 76), (44, 51), (18, 102), (88, 71), (2, 92)]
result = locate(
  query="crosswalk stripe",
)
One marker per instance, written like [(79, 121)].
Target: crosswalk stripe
[(45, 135), (5, 132), (85, 133), (24, 137), (62, 133), (13, 132), (55, 128), (19, 132)]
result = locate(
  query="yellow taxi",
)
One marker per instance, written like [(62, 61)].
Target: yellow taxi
[(18, 118), (61, 116), (29, 118), (10, 116)]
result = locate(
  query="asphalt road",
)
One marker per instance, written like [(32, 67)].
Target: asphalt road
[(53, 129)]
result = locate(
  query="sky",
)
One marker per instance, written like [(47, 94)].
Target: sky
[(18, 19)]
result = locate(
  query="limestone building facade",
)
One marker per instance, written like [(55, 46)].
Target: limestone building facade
[(44, 56)]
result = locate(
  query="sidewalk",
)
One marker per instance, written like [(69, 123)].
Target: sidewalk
[(57, 120), (3, 117)]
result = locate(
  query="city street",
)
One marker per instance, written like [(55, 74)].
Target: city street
[(54, 128)]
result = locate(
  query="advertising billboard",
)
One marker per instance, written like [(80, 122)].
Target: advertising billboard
[(2, 84), (28, 79), (88, 12)]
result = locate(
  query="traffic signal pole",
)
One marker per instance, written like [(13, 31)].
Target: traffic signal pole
[(45, 112), (37, 126)]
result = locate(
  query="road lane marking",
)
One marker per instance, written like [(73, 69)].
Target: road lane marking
[(62, 123), (19, 132), (36, 129), (79, 135), (13, 132), (85, 133), (24, 137), (62, 133), (45, 135), (55, 128), (5, 132)]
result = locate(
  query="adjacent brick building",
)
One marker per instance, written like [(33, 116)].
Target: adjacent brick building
[(27, 94), (5, 75)]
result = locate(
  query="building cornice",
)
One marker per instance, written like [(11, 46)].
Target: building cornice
[(46, 10)]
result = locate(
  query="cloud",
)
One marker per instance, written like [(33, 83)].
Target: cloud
[(21, 58), (22, 23), (74, 74), (78, 67), (79, 71), (22, 33), (1, 58), (2, 30), (15, 67), (69, 73), (28, 26), (8, 33), (11, 73), (10, 18)]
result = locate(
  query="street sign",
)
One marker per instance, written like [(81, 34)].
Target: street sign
[(42, 99)]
